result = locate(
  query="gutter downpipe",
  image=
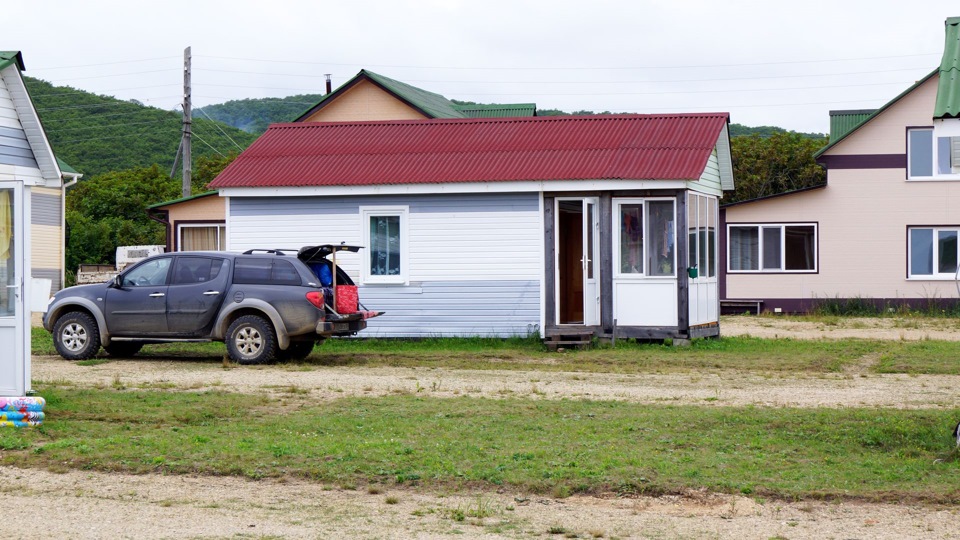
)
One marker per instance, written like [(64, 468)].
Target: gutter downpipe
[(155, 215)]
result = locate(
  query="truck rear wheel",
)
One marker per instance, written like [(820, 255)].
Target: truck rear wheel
[(123, 349), (298, 350)]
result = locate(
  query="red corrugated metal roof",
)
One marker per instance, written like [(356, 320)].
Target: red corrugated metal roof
[(637, 147)]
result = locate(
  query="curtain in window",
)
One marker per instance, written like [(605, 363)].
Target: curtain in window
[(744, 248), (771, 248), (660, 238), (199, 239), (6, 224), (7, 262)]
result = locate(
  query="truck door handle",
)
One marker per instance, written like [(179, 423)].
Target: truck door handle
[(157, 295), (211, 293)]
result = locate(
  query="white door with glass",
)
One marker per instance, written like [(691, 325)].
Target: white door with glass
[(12, 326), (577, 229)]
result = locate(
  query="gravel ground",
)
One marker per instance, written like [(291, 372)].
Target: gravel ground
[(95, 505)]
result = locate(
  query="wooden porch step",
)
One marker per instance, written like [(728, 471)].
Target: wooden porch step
[(577, 340)]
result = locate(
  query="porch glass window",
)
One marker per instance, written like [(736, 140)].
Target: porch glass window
[(386, 238), (702, 234), (933, 252), (631, 238), (647, 238), (772, 248)]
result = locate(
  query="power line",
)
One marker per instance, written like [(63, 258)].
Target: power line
[(60, 130), (72, 92), (104, 63), (711, 79), (140, 134), (109, 104), (201, 139), (120, 74), (585, 68), (724, 107), (99, 115), (217, 125)]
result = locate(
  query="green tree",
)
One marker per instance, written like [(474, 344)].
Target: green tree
[(764, 166), (207, 168), (110, 210)]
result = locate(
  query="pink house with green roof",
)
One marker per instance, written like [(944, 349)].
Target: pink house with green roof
[(885, 227)]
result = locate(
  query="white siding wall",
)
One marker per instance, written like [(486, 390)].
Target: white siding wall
[(474, 259), (710, 179)]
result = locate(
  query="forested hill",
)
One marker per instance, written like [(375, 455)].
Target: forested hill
[(97, 134), (740, 130), (254, 115), (736, 130)]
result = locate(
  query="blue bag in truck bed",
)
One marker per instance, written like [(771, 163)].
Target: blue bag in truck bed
[(323, 272)]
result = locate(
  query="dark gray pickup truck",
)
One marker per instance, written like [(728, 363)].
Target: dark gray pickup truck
[(264, 304)]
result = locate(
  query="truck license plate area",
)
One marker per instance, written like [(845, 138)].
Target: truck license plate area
[(341, 327)]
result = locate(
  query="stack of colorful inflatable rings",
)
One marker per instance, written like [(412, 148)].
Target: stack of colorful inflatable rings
[(21, 411)]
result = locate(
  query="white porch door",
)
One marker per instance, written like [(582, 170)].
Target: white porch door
[(591, 256), (578, 254), (13, 345)]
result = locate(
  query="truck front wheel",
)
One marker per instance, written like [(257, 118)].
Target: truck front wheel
[(76, 336)]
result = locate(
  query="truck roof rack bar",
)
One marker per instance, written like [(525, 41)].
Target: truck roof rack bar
[(277, 251)]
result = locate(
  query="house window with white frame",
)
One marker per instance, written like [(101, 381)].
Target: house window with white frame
[(202, 237), (646, 236), (772, 247), (385, 232), (933, 252), (930, 157)]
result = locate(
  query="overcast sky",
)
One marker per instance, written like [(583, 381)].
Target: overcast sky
[(765, 62)]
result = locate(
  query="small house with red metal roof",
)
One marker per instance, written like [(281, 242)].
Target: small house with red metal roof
[(884, 229), (563, 226)]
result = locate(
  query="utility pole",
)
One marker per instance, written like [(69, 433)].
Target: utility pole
[(185, 142)]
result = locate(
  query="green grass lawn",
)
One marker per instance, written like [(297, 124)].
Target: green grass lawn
[(737, 353), (552, 447)]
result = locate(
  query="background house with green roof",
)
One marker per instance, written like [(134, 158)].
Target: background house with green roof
[(371, 96), (883, 229), (199, 222)]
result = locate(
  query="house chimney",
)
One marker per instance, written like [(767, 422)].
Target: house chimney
[(329, 84)]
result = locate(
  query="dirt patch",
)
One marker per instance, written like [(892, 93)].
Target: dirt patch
[(95, 505), (887, 328), (719, 388)]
